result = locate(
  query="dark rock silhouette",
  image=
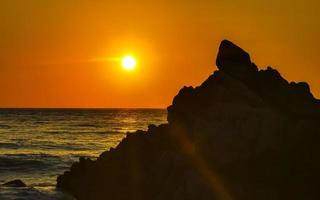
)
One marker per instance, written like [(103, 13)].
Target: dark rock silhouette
[(232, 56), (15, 183), (242, 134)]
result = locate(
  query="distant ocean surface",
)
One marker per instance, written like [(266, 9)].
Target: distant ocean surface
[(36, 145)]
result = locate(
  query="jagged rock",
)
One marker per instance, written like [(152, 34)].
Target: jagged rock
[(242, 134), (15, 183)]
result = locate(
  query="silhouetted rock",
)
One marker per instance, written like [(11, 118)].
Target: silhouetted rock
[(230, 55), (242, 134), (15, 183)]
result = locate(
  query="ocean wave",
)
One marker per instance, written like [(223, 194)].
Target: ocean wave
[(66, 147), (31, 155), (31, 193), (88, 125), (56, 132), (17, 163), (9, 145), (47, 146), (83, 132), (30, 162), (39, 122), (33, 162), (4, 126), (46, 184)]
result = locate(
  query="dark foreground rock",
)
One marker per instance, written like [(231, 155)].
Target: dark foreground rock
[(243, 134), (15, 183)]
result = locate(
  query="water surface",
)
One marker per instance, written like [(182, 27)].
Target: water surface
[(38, 144)]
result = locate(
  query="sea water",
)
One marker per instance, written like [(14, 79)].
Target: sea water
[(36, 145)]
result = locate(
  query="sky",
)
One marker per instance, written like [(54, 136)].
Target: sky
[(60, 53)]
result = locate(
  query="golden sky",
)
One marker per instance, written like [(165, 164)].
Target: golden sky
[(55, 53)]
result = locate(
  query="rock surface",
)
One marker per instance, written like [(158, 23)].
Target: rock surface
[(242, 134), (15, 183)]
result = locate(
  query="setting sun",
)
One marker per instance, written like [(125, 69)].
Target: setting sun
[(128, 63)]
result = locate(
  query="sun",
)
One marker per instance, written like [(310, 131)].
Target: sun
[(128, 63)]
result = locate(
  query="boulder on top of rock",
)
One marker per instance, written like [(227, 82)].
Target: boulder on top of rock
[(232, 58)]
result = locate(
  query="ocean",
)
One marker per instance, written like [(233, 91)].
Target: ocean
[(36, 145)]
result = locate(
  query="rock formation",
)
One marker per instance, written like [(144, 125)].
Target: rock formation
[(243, 134), (15, 183)]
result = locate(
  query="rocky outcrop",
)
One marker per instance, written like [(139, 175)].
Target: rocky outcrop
[(15, 183), (242, 134)]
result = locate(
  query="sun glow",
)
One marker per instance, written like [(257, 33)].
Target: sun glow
[(128, 63)]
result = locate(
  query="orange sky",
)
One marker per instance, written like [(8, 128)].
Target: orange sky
[(51, 50)]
